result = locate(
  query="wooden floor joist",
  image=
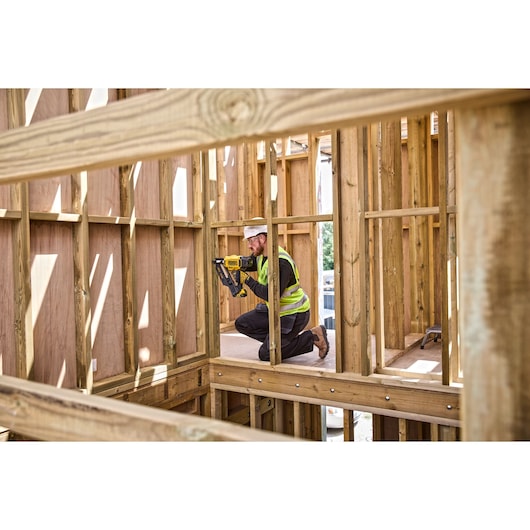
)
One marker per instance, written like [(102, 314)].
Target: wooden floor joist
[(378, 394)]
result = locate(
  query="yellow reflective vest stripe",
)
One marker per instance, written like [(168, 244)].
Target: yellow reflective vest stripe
[(293, 299)]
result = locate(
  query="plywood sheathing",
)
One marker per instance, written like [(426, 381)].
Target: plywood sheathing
[(97, 209)]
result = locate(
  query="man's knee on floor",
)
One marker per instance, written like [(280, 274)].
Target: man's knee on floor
[(238, 325)]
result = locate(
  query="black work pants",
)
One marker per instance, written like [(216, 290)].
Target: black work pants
[(255, 324)]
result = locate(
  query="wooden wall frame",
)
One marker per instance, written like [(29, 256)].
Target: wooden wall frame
[(51, 155)]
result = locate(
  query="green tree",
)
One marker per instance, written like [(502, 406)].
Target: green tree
[(327, 246)]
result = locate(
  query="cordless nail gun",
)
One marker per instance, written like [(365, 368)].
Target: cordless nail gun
[(229, 271)]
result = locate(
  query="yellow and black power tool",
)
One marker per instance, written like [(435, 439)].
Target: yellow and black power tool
[(229, 271)]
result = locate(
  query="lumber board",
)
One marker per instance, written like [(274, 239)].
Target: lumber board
[(376, 245), (22, 319), (128, 267), (392, 259), (420, 265), (44, 412), (403, 212), (179, 121), (123, 383), (167, 271), (452, 257), (255, 413), (494, 282), (205, 254), (270, 190), (446, 272), (349, 242), (82, 315), (422, 401)]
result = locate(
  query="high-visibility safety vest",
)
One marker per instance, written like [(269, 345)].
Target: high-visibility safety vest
[(293, 299)]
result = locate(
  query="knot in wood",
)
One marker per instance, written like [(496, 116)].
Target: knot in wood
[(229, 111)]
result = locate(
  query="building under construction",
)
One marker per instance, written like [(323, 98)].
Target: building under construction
[(115, 203)]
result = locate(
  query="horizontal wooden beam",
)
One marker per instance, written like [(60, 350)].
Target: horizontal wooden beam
[(425, 401), (180, 121), (318, 218), (403, 212), (43, 412)]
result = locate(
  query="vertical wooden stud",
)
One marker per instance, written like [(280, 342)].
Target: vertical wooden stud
[(418, 138), (216, 402), (349, 427), (447, 433), (391, 191), (210, 250), (314, 229), (167, 249), (128, 251), (80, 234), (449, 298), (494, 255), (455, 358), (255, 412), (279, 415), (25, 355), (285, 191), (349, 240), (377, 267), (202, 269), (402, 427), (271, 207), (298, 419), (434, 430)]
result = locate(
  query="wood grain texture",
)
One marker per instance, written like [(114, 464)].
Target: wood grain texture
[(56, 414), (493, 253), (178, 121), (378, 394), (419, 288), (348, 205), (22, 322), (392, 233)]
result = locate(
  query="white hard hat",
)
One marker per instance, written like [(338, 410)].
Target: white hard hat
[(251, 231)]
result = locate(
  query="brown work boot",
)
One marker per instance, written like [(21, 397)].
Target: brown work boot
[(320, 338)]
